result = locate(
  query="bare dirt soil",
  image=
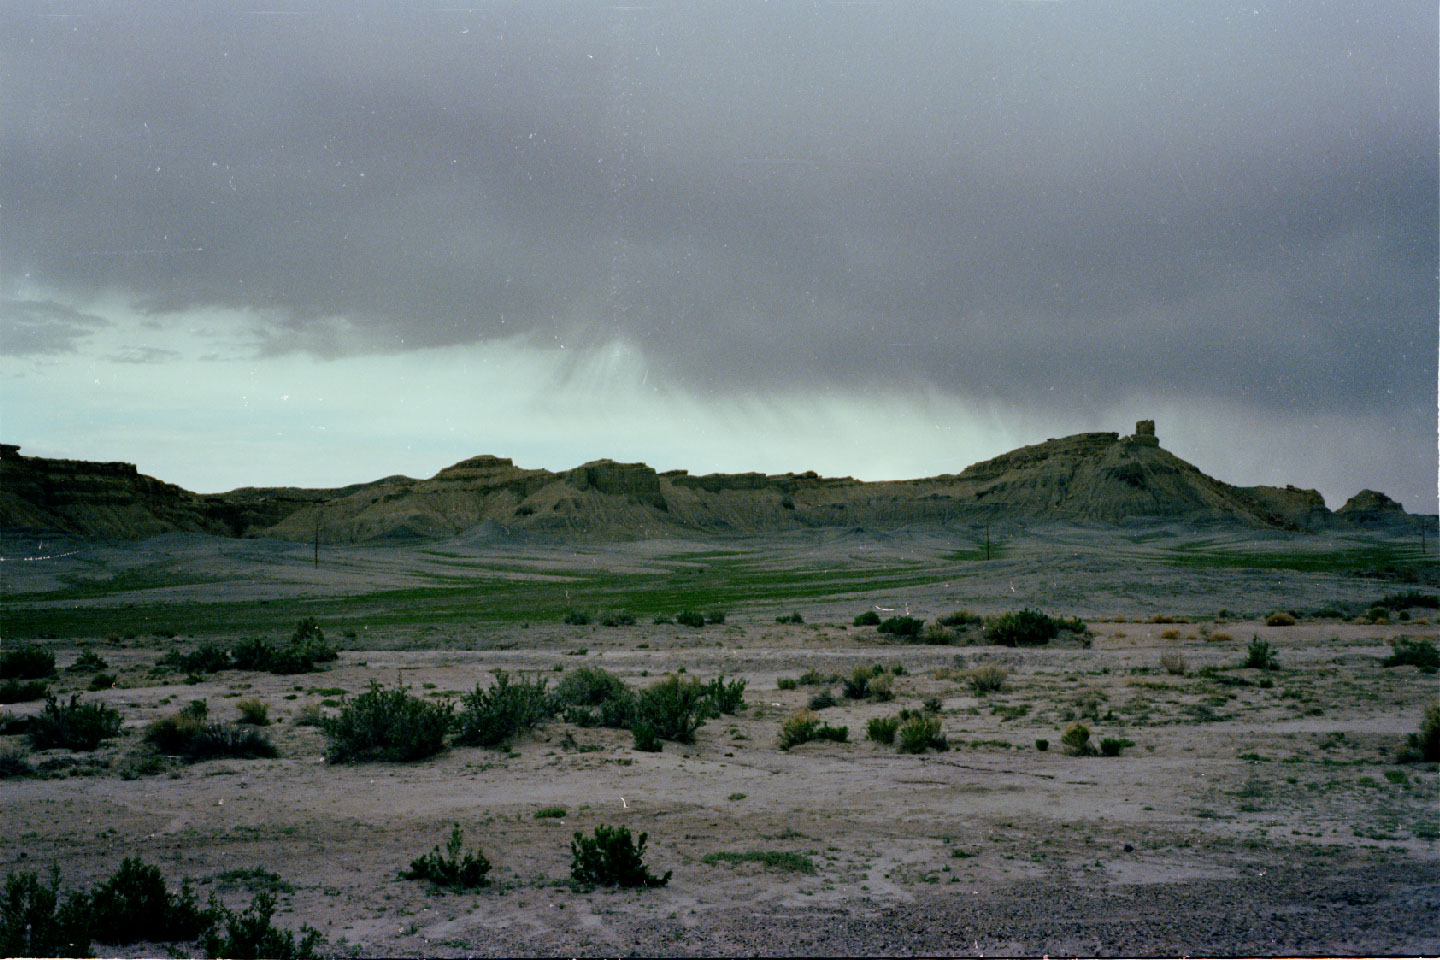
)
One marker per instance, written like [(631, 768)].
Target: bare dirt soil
[(1257, 812)]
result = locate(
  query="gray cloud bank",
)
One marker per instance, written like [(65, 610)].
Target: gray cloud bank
[(1046, 204)]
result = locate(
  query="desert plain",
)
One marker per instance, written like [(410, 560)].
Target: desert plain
[(1256, 812)]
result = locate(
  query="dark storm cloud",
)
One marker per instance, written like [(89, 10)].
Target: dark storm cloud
[(42, 327), (1037, 202)]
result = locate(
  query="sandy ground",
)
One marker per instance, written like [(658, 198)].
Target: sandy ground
[(1259, 819)]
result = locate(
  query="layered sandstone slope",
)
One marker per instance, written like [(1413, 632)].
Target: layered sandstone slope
[(1100, 477), (94, 499), (1090, 477)]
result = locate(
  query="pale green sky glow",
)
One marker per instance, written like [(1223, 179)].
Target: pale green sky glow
[(210, 415)]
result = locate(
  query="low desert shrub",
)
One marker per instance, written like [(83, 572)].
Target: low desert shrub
[(34, 922), (785, 683), (251, 934), (1021, 628), (690, 618), (306, 648), (1076, 741), (858, 686), (961, 618), (882, 688), (1041, 744), (100, 681), (790, 618), (172, 735), (88, 662), (823, 700), (901, 626), (867, 619), (937, 636), (253, 653), (612, 858), (386, 725), (1411, 598), (882, 729), (676, 707), (309, 640), (778, 859), (1114, 746), (186, 734), (551, 813), (26, 662), (617, 618), (920, 733), (646, 739), (253, 711), (725, 698), (206, 658), (492, 717), (15, 765), (1424, 745), (310, 715), (213, 740), (1260, 656), (135, 904), (576, 618), (1172, 663), (73, 726), (1420, 653), (451, 870), (933, 704), (22, 691), (802, 726), (986, 679), (1280, 618), (714, 616), (592, 697), (814, 678)]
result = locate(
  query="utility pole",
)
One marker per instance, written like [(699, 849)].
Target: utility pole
[(987, 539), (317, 537)]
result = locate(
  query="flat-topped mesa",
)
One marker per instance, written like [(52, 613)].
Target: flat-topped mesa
[(104, 499), (637, 481)]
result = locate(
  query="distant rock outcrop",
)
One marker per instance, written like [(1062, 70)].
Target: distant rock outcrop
[(94, 499), (1371, 508), (1092, 477)]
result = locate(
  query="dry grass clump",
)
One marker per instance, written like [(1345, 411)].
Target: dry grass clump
[(987, 679), (1169, 634), (802, 726), (1172, 663), (1280, 619), (1219, 636), (253, 711)]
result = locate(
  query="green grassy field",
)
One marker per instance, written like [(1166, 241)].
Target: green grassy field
[(723, 582)]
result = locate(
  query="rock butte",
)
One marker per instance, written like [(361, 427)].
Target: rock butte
[(1088, 477)]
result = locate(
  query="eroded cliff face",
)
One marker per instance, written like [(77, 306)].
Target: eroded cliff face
[(1095, 477), (96, 499)]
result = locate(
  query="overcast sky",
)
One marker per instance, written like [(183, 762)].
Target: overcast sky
[(265, 243)]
